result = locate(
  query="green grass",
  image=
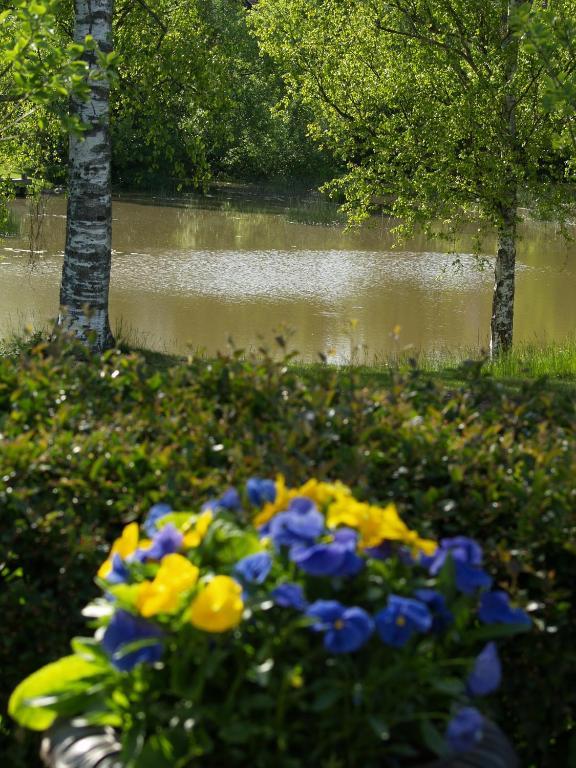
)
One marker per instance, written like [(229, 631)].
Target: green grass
[(526, 362), (555, 362)]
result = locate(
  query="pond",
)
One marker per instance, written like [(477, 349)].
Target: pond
[(189, 274)]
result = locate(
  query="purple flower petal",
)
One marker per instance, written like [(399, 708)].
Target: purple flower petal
[(253, 569), (294, 528), (351, 633), (290, 595), (119, 572), (332, 559), (155, 513), (326, 612), (167, 541), (460, 548), (442, 616), (401, 619), (486, 674), (346, 629), (230, 499), (495, 609), (470, 578), (260, 491), (465, 730), (124, 629)]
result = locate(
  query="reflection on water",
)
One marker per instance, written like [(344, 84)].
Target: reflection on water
[(190, 276)]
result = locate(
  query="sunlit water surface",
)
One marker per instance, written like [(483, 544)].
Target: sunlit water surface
[(188, 275)]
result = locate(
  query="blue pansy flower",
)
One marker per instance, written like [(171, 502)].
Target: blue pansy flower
[(486, 673), (335, 558), (388, 549), (465, 730), (296, 528), (495, 609), (230, 499), (470, 578), (467, 556), (125, 629), (301, 504), (383, 551), (289, 595), (345, 629), (442, 616), (253, 569), (119, 572), (461, 548), (155, 513), (167, 541), (402, 618), (260, 491)]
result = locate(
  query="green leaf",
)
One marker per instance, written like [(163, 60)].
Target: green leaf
[(56, 678), (379, 727), (494, 632), (433, 738), (181, 520), (451, 686), (158, 752), (89, 648), (326, 699)]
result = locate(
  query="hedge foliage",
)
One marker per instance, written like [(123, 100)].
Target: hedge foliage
[(88, 445)]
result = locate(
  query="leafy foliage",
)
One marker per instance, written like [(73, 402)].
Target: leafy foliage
[(436, 110), (88, 448)]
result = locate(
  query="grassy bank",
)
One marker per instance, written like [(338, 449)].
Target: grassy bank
[(88, 444), (555, 363)]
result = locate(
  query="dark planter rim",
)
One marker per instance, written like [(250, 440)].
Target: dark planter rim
[(69, 746)]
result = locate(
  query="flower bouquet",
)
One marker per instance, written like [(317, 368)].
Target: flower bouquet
[(298, 626)]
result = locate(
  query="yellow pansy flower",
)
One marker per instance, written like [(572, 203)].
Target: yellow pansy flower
[(375, 524), (426, 546), (194, 536), (175, 576), (318, 492), (124, 546), (322, 493), (219, 606)]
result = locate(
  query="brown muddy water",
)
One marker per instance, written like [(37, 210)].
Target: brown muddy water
[(187, 275)]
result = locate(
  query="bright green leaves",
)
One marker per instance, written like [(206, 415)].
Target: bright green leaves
[(413, 97), (548, 32), (41, 66), (50, 691)]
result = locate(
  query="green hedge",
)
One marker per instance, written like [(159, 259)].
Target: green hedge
[(88, 445)]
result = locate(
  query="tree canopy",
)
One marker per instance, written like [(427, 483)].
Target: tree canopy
[(416, 98)]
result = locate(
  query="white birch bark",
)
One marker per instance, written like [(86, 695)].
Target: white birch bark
[(87, 258), (502, 325)]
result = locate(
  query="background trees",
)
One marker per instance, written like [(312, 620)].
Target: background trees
[(457, 110), (438, 109), (37, 71)]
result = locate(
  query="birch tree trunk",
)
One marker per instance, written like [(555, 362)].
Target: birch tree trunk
[(87, 258), (502, 325)]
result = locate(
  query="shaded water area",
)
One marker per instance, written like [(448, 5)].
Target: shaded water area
[(188, 274)]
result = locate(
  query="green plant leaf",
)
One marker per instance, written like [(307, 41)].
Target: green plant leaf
[(56, 678)]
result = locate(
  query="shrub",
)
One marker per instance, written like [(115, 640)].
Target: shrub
[(87, 447)]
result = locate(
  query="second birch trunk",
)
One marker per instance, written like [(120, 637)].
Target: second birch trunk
[(502, 324)]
